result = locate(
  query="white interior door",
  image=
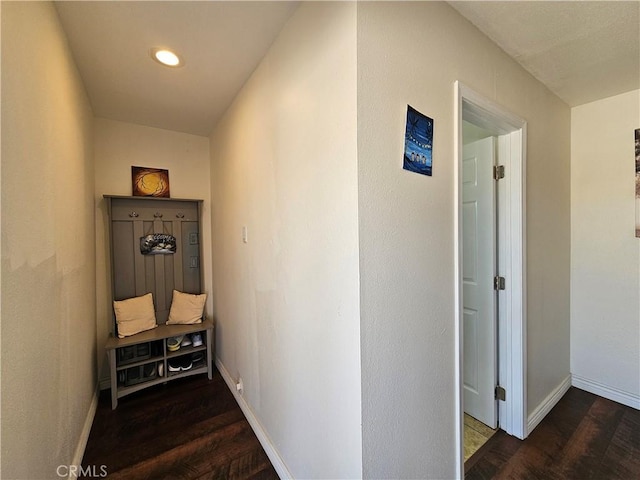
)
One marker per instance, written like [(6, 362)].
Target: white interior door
[(478, 270)]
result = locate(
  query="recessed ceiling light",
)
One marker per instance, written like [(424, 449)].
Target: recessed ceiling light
[(166, 57)]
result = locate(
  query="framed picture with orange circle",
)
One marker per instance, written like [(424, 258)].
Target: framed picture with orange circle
[(150, 182)]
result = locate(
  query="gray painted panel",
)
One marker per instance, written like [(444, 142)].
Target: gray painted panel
[(148, 209), (138, 231), (177, 272), (123, 261), (191, 257), (135, 274), (159, 290)]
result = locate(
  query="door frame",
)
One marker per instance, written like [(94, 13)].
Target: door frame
[(512, 362)]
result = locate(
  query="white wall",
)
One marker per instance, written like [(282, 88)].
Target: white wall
[(48, 247), (284, 165), (118, 146), (412, 53), (605, 254)]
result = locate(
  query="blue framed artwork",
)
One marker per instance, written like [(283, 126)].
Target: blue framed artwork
[(418, 142)]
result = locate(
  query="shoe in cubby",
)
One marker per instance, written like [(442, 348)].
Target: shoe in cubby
[(196, 339), (173, 343)]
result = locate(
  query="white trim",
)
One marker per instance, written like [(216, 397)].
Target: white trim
[(84, 435), (606, 391), (458, 308), (547, 404), (512, 331), (263, 437)]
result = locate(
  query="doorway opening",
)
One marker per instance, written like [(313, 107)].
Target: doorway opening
[(490, 301), (480, 232)]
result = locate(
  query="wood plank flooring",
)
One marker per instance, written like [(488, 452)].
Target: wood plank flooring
[(584, 437), (187, 429), (193, 429)]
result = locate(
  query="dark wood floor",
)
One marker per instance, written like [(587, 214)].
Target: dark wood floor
[(193, 429), (584, 437), (190, 428)]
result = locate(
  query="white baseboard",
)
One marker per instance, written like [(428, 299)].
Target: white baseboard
[(606, 391), (547, 404), (84, 434), (263, 438)]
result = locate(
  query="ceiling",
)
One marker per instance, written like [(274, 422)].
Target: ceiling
[(582, 51), (221, 42)]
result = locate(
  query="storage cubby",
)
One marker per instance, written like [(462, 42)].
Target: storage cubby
[(143, 360)]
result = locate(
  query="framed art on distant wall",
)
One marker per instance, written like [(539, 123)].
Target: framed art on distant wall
[(150, 182), (418, 142)]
